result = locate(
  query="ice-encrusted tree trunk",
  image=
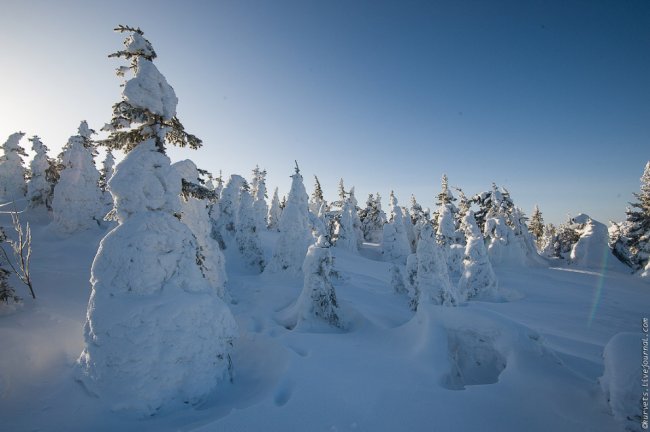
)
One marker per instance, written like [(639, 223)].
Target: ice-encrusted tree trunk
[(318, 297), (295, 230), (12, 169), (194, 214), (275, 212), (77, 203), (395, 243), (39, 187), (478, 278), (432, 278), (156, 332), (247, 235)]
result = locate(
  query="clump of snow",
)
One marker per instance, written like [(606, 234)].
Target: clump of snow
[(147, 183), (149, 90), (156, 331), (621, 381)]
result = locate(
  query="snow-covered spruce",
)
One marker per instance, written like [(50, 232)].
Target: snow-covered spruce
[(395, 243), (40, 187), (295, 230), (228, 211), (356, 220), (631, 238), (432, 278), (258, 193), (478, 279), (12, 169), (194, 214), (397, 279), (274, 212), (246, 235), (77, 203), (156, 332), (372, 219), (317, 301), (345, 233)]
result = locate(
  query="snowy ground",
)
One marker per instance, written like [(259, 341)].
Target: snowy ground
[(530, 364)]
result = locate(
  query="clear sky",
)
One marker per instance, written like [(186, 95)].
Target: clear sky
[(550, 99)]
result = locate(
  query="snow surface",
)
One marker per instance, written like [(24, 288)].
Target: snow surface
[(530, 364)]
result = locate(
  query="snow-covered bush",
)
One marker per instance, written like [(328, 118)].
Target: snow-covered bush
[(156, 330), (77, 203), (12, 169), (478, 279), (295, 230)]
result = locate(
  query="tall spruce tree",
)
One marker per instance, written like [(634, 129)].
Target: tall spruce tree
[(536, 227), (156, 331)]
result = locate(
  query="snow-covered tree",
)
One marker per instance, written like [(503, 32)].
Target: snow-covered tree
[(275, 212), (318, 297), (12, 169), (478, 278), (7, 292), (194, 214), (445, 196), (156, 333), (536, 227), (356, 220), (259, 195), (228, 211), (295, 230), (108, 167), (397, 280), (631, 239), (395, 243), (316, 200), (345, 234), (432, 279), (77, 203), (218, 185), (372, 219), (40, 188), (247, 236)]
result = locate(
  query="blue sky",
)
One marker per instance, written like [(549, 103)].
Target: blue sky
[(549, 99)]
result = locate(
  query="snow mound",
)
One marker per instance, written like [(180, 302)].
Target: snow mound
[(149, 90), (592, 248), (621, 381)]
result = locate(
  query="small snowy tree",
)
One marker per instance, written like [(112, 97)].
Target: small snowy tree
[(537, 227), (194, 214), (12, 169), (631, 242), (77, 203), (295, 230), (108, 167), (40, 188), (258, 192), (356, 220), (317, 200), (345, 234), (228, 208), (247, 236), (372, 219), (395, 243), (397, 280), (478, 278), (432, 279), (275, 212), (156, 331), (318, 297)]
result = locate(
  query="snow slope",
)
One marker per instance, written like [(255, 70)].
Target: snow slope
[(529, 364)]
